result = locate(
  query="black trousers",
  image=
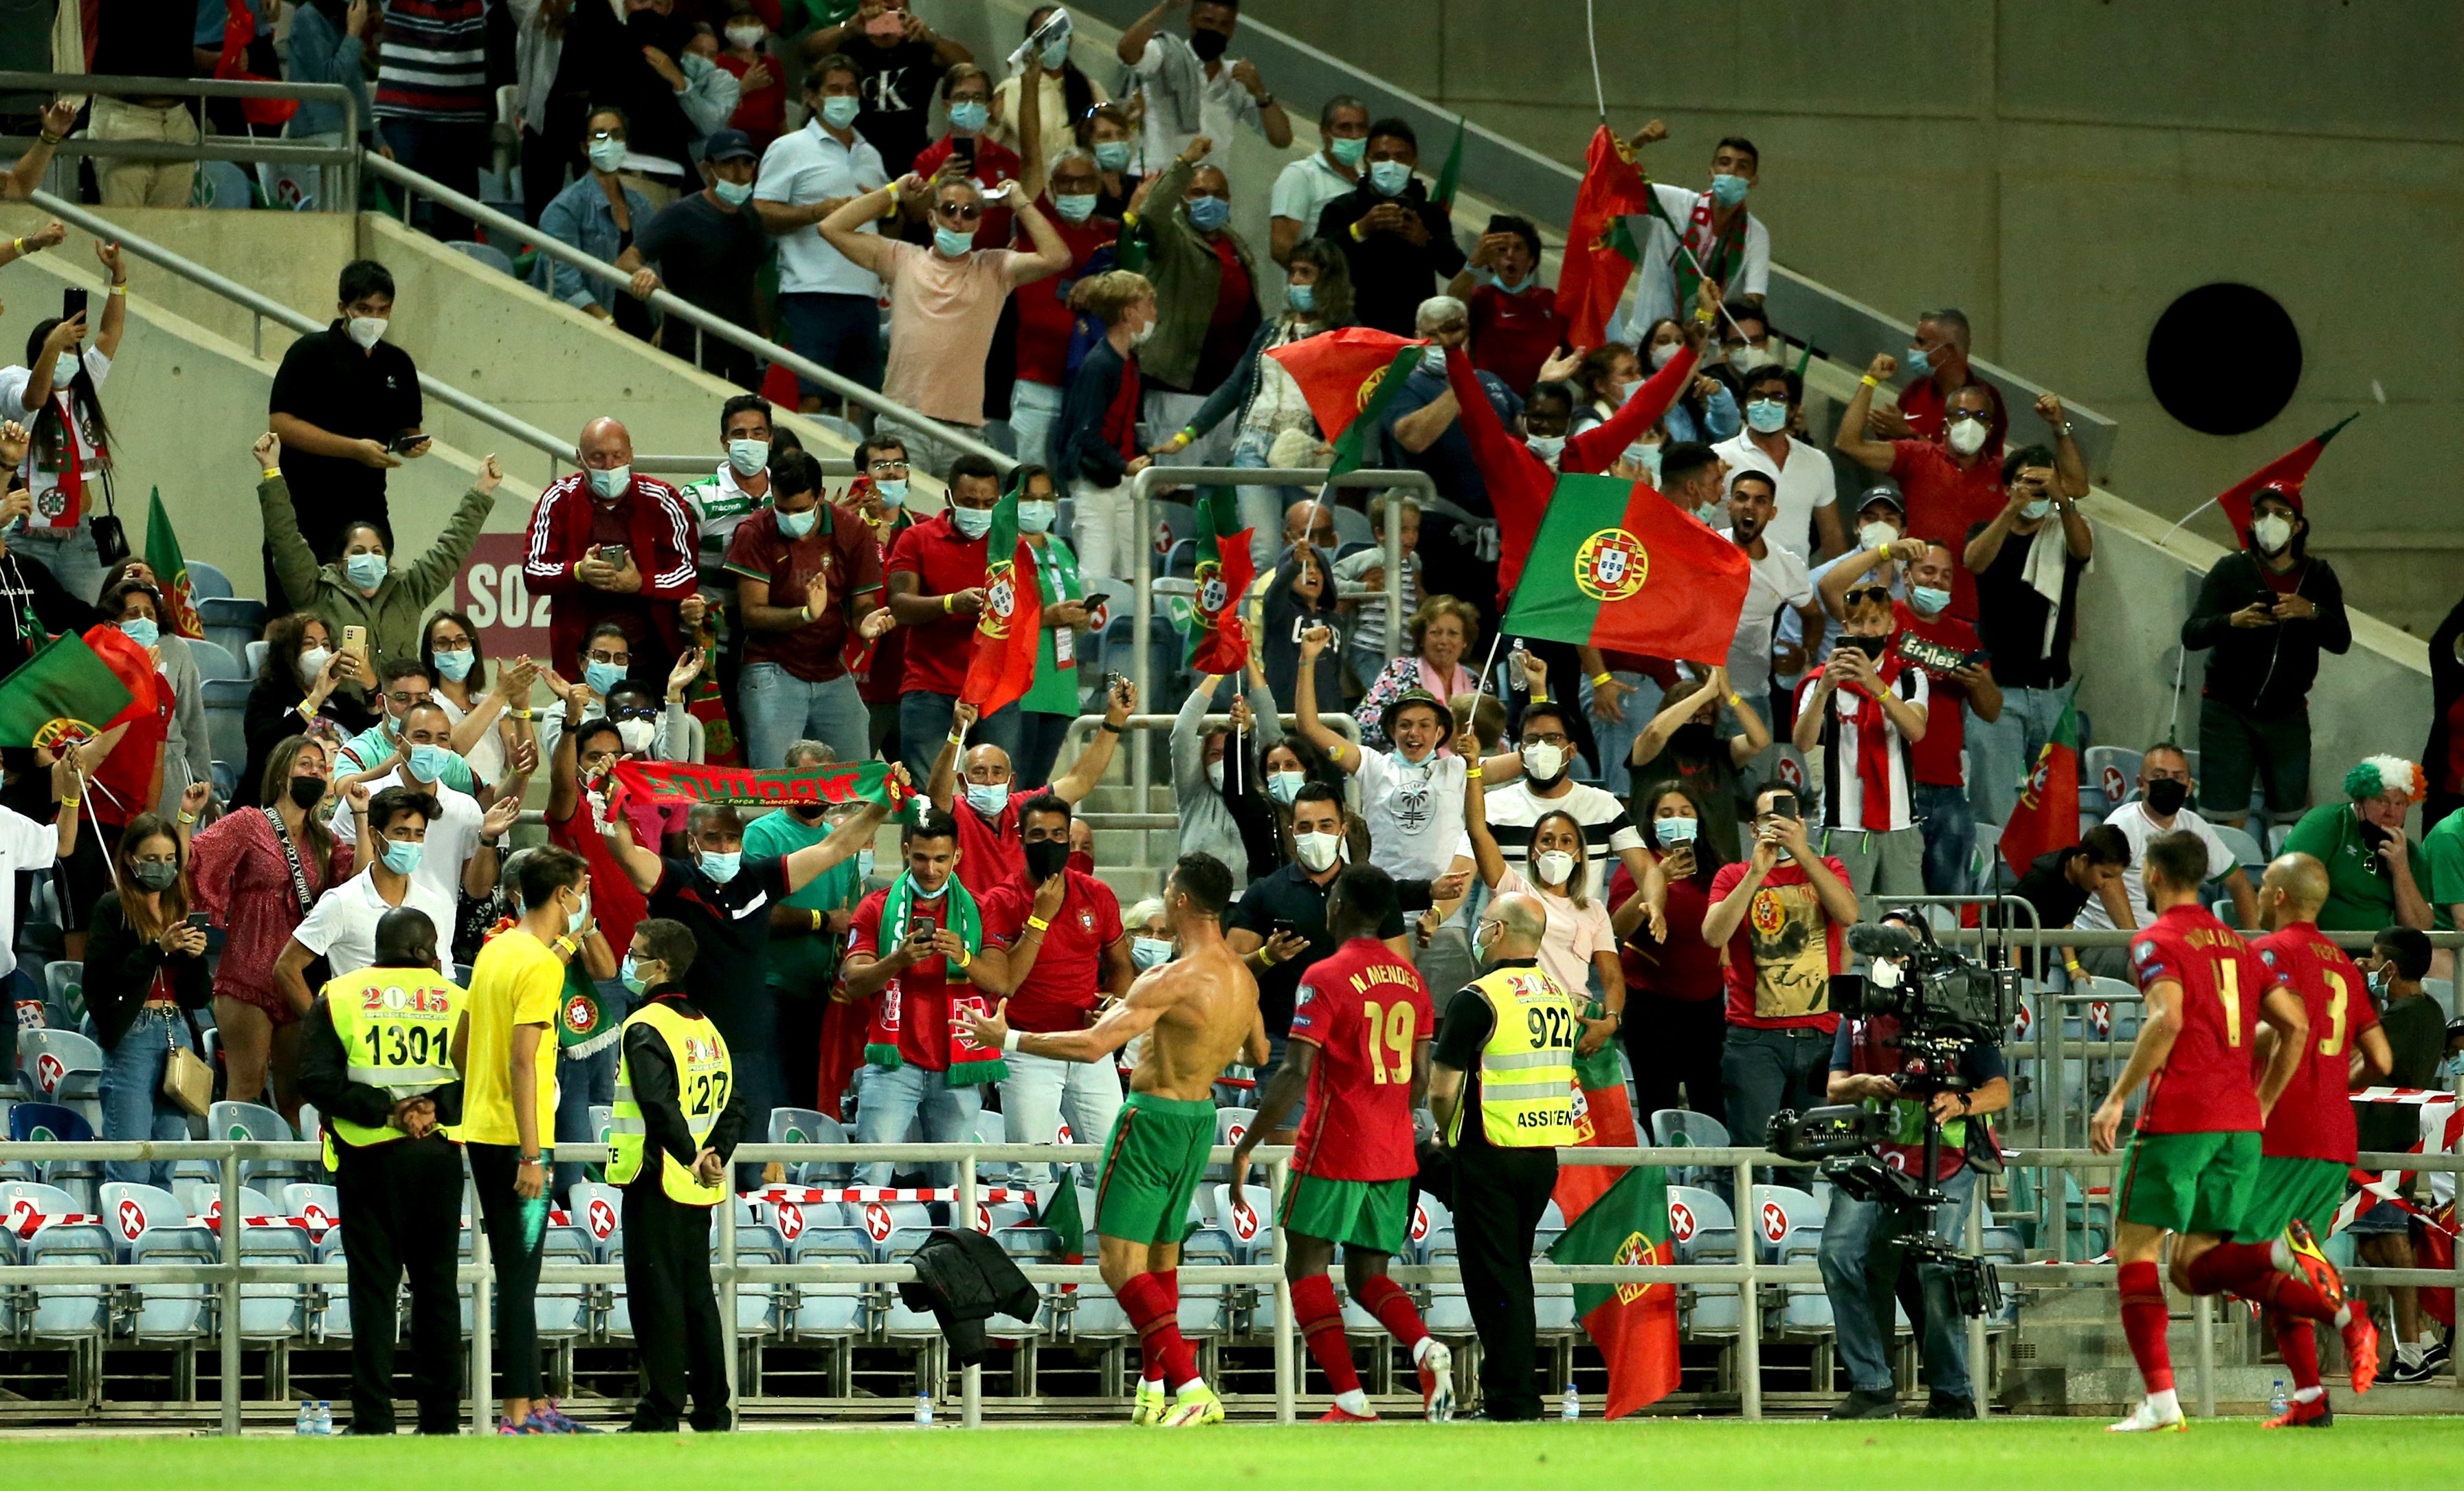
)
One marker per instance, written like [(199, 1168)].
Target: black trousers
[(675, 1307), (493, 1167), (404, 1201), (1676, 1043), (1498, 1198)]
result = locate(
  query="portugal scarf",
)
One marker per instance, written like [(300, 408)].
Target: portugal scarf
[(1719, 251), (970, 1063), (1874, 744)]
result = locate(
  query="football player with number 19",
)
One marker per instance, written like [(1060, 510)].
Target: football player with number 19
[(2194, 1161)]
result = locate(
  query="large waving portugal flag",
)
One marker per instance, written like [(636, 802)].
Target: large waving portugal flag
[(1615, 565), (2047, 816), (171, 572), (1004, 665), (1347, 377), (1634, 1323)]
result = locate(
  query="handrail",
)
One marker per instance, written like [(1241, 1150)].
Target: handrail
[(338, 164), (692, 315)]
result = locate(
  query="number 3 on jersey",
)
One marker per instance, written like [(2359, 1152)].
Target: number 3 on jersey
[(2339, 997), (1388, 1032)]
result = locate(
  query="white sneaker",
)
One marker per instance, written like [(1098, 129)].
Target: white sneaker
[(1437, 1368), (2145, 1420)]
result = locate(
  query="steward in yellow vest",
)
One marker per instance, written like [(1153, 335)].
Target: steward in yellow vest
[(677, 1119), (381, 1058)]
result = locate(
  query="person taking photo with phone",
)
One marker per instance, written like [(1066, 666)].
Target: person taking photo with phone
[(58, 395), (1865, 707)]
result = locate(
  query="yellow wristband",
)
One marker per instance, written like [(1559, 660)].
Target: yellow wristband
[(119, 290), (1038, 923), (1736, 699), (19, 244), (1870, 381), (816, 917), (1540, 695), (68, 801), (1473, 773), (188, 817), (945, 604), (271, 471), (966, 960), (1602, 680)]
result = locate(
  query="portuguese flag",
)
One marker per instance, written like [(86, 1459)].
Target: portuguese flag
[(682, 781), (1604, 1118), (2047, 816), (1616, 566), (1634, 1324), (1601, 250), (170, 569), (1069, 1226), (1451, 175), (63, 691), (1006, 630), (2286, 474), (1349, 377), (1218, 641)]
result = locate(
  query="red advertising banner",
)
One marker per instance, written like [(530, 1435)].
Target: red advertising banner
[(511, 622)]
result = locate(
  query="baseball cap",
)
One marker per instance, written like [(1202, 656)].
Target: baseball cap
[(729, 145), (1883, 490)]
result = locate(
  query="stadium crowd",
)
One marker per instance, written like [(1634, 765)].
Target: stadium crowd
[(1034, 261)]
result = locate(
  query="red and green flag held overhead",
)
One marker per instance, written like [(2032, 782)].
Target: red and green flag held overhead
[(1347, 377), (2286, 474), (2047, 816), (1601, 250), (171, 573), (681, 782), (63, 692), (1615, 565), (1219, 639), (1004, 665)]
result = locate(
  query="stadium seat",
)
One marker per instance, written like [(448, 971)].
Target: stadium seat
[(599, 1211), (2108, 775), (901, 1321), (233, 623), (1446, 1313), (129, 1210), (565, 1309), (61, 1066), (487, 253), (2245, 849), (884, 1221), (1206, 1308), (273, 1311), (829, 1311), (1250, 1224), (313, 1202), (242, 1122), (204, 1200), (1428, 1216), (330, 1303), (1701, 1230), (1684, 1129), (63, 995), (1230, 1123), (73, 1312), (226, 702), (208, 582), (992, 1128), (172, 1312)]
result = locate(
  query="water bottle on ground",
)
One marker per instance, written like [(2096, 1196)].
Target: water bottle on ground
[(323, 1422), (305, 1422), (924, 1410), (1573, 1408), (2276, 1401)]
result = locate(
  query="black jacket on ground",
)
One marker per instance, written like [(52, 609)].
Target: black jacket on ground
[(2265, 672), (964, 1279)]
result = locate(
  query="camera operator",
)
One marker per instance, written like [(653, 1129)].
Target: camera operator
[(1861, 1257)]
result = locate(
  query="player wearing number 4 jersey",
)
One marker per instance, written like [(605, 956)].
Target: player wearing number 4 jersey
[(2310, 1142), (1202, 1009), (1362, 1024), (2194, 1161)]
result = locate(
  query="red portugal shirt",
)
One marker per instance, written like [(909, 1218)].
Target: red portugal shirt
[(1068, 979), (2314, 1119), (2209, 1081), (943, 563), (919, 998), (1935, 759), (1943, 501), (1783, 954), (1364, 1009)]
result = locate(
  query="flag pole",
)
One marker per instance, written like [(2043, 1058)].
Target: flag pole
[(1487, 668), (1592, 33)]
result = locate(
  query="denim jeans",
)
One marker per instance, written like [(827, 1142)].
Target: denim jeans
[(591, 1082), (924, 723), (841, 332), (1616, 737), (133, 1105), (1764, 1070), (1041, 1093), (780, 709), (68, 555), (1949, 827), (1261, 508), (1034, 409), (1859, 1277), (2001, 754), (888, 1098)]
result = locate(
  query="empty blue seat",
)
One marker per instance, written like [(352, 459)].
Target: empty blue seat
[(71, 1311), (829, 1311)]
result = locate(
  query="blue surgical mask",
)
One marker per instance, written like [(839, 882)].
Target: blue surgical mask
[(1055, 55), (1928, 600), (1347, 152), (1547, 447), (971, 523), (721, 868), (1209, 215), (1286, 786), (1389, 178), (1627, 388), (605, 155), (988, 797), (2032, 511), (364, 571), (748, 456), (1918, 364), (1767, 416), (1036, 517), (601, 677), (1301, 297), (796, 525), (427, 761), (734, 194), (863, 865), (632, 976), (1674, 831), (402, 855), (579, 916), (141, 630), (893, 491), (1112, 155), (1147, 952), (839, 111), (953, 243), (1514, 289), (969, 116), (610, 482), (64, 369), (1728, 190), (456, 666), (1074, 206)]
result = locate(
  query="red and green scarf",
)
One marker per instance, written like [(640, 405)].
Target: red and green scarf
[(970, 1063), (1719, 251)]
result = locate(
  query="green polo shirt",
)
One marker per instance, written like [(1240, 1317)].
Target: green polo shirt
[(805, 965), (2360, 897)]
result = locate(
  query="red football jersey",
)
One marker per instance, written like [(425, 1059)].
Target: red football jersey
[(1364, 1009), (2209, 1081), (2314, 1119)]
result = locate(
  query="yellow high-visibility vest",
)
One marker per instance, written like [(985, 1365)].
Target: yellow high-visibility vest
[(1526, 1069), (705, 1078), (396, 1025)]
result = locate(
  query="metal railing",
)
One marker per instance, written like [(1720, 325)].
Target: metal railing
[(671, 304), (337, 164)]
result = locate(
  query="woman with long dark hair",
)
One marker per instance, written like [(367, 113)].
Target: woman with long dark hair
[(57, 394), (1234, 784), (257, 873), (487, 733), (1066, 96), (1676, 1014), (144, 979), (299, 691)]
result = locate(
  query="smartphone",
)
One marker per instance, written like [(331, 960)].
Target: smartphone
[(71, 303), (962, 149), (404, 445), (1871, 647), (355, 641), (1782, 805), (612, 555), (1281, 928), (201, 921)]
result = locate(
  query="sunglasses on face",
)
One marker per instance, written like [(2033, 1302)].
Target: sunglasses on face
[(1880, 594), (964, 211)]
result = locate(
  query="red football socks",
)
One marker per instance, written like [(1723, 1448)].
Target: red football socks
[(1385, 1299), (2143, 1317), (1152, 1304), (1321, 1323), (2299, 1348), (2236, 1268)]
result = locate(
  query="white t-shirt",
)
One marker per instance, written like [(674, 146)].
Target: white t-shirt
[(342, 925), (13, 406), (1303, 188), (2132, 818), (486, 756), (1574, 933), (452, 837), (1222, 105), (1655, 280), (1415, 813), (1779, 577), (25, 844), (809, 165), (1805, 482), (1843, 787), (1608, 828)]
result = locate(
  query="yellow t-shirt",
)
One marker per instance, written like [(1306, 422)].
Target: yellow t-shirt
[(517, 980)]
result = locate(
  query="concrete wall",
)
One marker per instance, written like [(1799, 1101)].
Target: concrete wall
[(2063, 170)]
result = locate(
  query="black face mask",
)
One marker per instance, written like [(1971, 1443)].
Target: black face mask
[(307, 791), (1044, 858), (809, 816), (2165, 796), (1208, 44), (1692, 742)]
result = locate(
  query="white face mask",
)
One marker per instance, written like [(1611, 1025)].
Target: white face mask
[(1544, 763), (1214, 774), (312, 663), (988, 797), (1286, 786), (1552, 867), (1317, 852), (1548, 447), (366, 330), (637, 734), (1877, 535), (1968, 436), (1663, 354), (2271, 533)]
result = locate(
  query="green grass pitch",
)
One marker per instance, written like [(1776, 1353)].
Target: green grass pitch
[(2007, 1455)]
